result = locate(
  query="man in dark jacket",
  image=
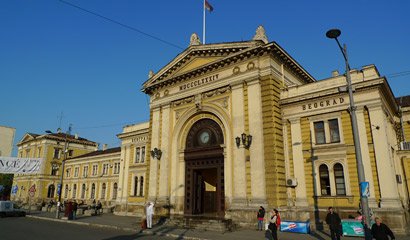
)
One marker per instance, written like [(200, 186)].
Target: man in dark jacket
[(334, 222), (381, 231)]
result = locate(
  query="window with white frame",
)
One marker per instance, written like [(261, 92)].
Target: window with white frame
[(85, 171), (141, 186), (76, 169), (331, 179), (92, 191), (95, 170), (114, 191), (327, 131), (56, 153), (68, 172), (142, 154), (105, 169), (75, 191), (135, 185), (137, 155), (116, 168), (103, 190)]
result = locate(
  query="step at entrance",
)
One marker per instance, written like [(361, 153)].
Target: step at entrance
[(202, 223)]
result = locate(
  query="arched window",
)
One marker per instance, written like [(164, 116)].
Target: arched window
[(103, 188), (114, 191), (339, 179), (74, 191), (83, 191), (51, 190), (92, 191), (66, 191), (135, 186), (141, 186), (324, 180)]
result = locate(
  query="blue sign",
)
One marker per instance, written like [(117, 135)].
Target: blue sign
[(364, 189), (14, 189), (295, 226), (58, 189)]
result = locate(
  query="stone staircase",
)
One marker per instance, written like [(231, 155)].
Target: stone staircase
[(203, 223)]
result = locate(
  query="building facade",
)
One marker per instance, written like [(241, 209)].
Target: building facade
[(6, 140), (93, 177), (242, 124), (50, 147)]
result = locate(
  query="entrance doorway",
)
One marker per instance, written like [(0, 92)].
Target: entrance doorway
[(204, 170)]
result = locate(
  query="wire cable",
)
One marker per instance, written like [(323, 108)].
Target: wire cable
[(122, 24)]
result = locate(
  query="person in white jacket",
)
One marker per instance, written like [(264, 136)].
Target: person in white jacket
[(150, 213)]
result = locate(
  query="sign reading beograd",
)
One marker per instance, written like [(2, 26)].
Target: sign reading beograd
[(20, 165)]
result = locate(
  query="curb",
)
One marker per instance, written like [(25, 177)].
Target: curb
[(145, 232)]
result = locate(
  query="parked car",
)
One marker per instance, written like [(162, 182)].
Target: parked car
[(7, 210)]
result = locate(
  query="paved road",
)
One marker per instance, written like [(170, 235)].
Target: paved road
[(33, 229)]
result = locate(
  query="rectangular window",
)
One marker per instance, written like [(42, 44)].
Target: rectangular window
[(68, 171), (95, 170), (21, 154), (76, 172), (70, 153), (142, 154), (116, 168), (105, 169), (137, 155), (56, 153), (334, 131), (85, 171), (320, 132), (135, 186), (27, 153)]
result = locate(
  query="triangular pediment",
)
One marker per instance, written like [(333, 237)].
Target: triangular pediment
[(195, 63), (28, 137), (197, 56)]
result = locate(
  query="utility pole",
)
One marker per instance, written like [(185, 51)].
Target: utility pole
[(62, 170)]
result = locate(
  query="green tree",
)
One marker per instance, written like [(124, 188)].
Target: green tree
[(6, 180)]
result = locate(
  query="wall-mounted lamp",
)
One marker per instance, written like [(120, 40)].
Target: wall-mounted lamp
[(156, 153), (246, 140)]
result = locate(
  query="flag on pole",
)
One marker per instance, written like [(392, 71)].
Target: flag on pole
[(208, 6)]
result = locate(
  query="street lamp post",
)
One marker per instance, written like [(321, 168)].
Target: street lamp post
[(60, 189), (334, 34)]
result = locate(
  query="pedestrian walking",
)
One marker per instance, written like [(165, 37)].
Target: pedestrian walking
[(260, 215), (334, 222), (273, 224), (75, 207), (381, 231), (98, 208), (150, 213)]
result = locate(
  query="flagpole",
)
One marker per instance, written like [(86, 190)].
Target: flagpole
[(203, 29)]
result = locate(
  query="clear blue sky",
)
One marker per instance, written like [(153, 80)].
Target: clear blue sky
[(54, 57)]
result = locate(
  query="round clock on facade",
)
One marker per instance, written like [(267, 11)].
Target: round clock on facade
[(204, 137)]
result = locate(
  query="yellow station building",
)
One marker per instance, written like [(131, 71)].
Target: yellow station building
[(237, 125), (50, 147)]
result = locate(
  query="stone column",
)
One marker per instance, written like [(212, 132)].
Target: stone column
[(127, 159), (121, 179), (387, 176), (257, 156), (153, 170), (298, 163), (368, 171), (166, 155), (239, 166)]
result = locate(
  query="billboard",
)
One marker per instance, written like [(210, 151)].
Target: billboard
[(20, 165), (295, 226)]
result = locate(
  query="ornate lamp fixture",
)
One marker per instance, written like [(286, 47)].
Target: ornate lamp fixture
[(156, 153), (246, 140)]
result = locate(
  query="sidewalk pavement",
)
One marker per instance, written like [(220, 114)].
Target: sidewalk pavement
[(132, 224)]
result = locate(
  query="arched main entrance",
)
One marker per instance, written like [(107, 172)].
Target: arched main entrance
[(204, 169)]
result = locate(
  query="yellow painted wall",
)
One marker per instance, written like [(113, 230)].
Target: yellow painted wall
[(273, 142)]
